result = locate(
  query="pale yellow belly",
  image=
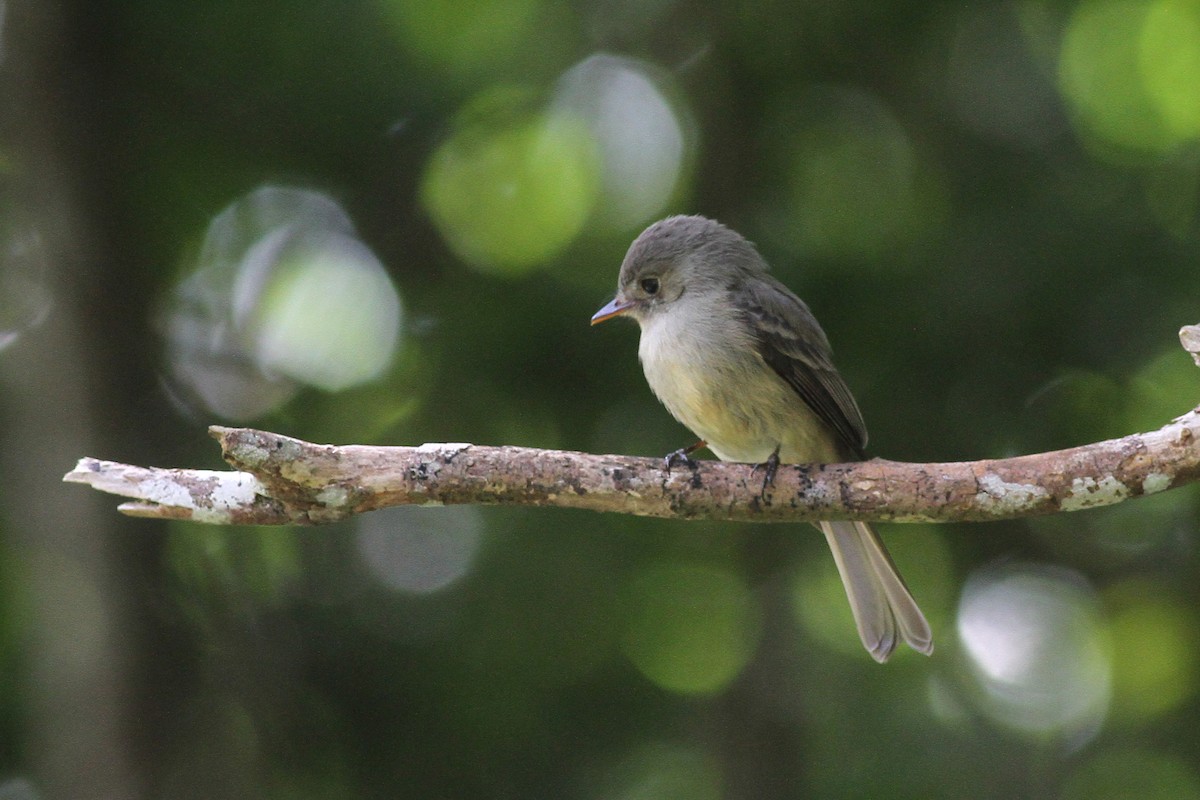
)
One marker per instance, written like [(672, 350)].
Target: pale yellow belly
[(743, 411)]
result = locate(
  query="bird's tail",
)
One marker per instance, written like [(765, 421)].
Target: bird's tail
[(884, 610)]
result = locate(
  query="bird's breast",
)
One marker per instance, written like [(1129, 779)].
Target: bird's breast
[(710, 376)]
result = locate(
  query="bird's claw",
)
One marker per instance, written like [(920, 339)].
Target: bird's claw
[(769, 468), (680, 456), (684, 454)]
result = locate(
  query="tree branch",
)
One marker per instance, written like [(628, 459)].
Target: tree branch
[(281, 480)]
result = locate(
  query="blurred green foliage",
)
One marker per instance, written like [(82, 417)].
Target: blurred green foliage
[(992, 208), (510, 194)]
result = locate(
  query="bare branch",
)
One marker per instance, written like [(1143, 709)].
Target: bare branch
[(282, 480)]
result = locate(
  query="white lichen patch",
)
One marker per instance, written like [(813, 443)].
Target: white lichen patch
[(210, 495), (165, 491), (822, 493), (252, 455), (998, 495), (1156, 482), (333, 497), (235, 489), (1089, 492), (444, 449)]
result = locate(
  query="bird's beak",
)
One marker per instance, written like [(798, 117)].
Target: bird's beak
[(615, 308)]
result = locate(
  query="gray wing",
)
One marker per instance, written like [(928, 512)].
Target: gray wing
[(793, 344)]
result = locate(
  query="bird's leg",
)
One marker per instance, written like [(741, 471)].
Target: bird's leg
[(683, 454), (769, 468)]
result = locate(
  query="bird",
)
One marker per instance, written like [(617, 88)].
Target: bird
[(740, 360)]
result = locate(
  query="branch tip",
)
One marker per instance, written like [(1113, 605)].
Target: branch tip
[(1189, 337)]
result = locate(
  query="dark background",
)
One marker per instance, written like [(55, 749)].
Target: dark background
[(389, 222)]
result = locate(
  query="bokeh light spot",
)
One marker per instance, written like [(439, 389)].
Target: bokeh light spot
[(855, 187), (638, 130), (1100, 75), (511, 189), (419, 550), (1170, 64), (690, 628), (282, 295), (1038, 649), (1154, 650), (819, 603), (25, 297), (302, 321)]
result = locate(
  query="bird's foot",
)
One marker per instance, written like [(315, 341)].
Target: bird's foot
[(769, 468), (683, 455)]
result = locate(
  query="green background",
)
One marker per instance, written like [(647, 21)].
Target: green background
[(389, 222)]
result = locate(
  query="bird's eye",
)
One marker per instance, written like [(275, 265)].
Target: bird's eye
[(649, 285)]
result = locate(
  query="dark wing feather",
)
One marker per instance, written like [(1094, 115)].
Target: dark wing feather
[(793, 344)]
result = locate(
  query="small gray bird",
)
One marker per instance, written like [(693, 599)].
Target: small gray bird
[(740, 360)]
